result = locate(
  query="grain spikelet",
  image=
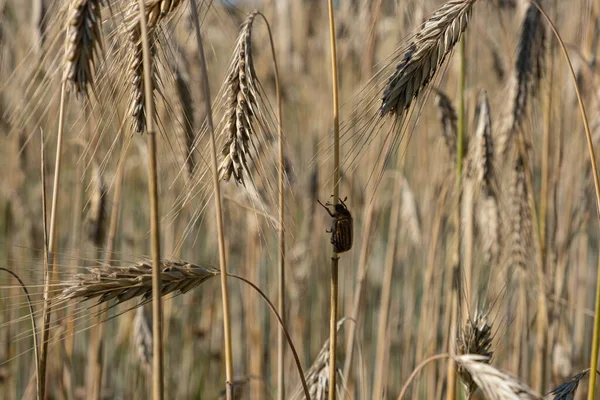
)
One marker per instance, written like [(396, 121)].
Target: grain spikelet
[(238, 125), (142, 335), (157, 12), (83, 44), (185, 113), (475, 338), (425, 55), (96, 214), (448, 120), (137, 98), (124, 283), (566, 390), (520, 231), (481, 148), (495, 384), (528, 73)]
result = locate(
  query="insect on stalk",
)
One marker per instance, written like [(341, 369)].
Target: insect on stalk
[(341, 227)]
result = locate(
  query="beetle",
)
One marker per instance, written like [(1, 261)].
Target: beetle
[(342, 226)]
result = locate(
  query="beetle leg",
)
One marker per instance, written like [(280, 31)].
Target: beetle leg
[(326, 208)]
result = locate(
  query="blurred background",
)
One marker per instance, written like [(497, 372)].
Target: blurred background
[(532, 239)]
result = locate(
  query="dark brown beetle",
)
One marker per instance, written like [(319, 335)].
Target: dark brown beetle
[(341, 228)]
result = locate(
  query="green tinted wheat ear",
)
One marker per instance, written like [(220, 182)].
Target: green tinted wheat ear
[(83, 44), (425, 55), (238, 126)]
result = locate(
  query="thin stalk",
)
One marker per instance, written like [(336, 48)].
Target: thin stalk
[(456, 268), (41, 377), (283, 329), (542, 321), (157, 323), (49, 258), (417, 370), (219, 211), (281, 229), (336, 196)]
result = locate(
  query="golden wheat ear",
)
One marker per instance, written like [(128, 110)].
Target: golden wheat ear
[(425, 55), (125, 283), (493, 383), (83, 44)]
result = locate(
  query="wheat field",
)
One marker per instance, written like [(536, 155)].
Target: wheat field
[(423, 226)]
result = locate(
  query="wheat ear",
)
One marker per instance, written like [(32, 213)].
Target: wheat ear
[(83, 44), (425, 55)]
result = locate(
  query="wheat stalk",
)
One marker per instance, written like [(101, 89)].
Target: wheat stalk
[(124, 283), (425, 55), (83, 44)]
